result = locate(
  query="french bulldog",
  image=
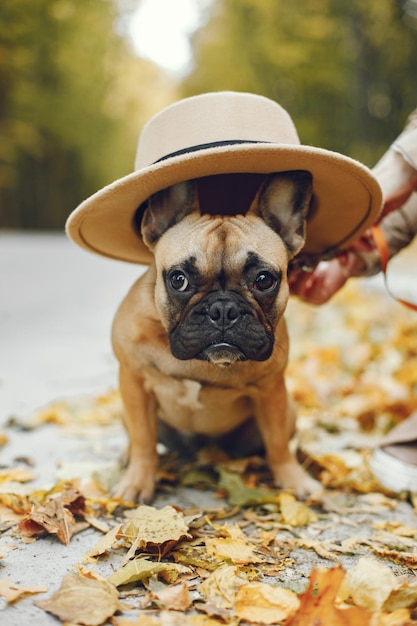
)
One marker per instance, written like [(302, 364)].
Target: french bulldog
[(201, 338)]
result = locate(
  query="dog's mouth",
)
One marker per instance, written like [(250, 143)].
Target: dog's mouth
[(222, 354)]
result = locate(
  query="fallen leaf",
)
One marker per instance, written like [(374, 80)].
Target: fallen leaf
[(3, 438), (73, 601), (173, 597), (295, 513), (17, 474), (13, 592), (237, 551), (141, 568), (103, 546), (319, 547), (56, 515), (151, 527), (221, 586), (368, 583), (404, 595), (262, 603), (317, 603), (240, 494), (53, 518)]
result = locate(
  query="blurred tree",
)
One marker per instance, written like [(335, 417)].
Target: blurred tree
[(73, 97), (346, 71)]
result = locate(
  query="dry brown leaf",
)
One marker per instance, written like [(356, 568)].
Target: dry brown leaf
[(103, 546), (319, 547), (237, 551), (140, 569), (317, 603), (56, 515), (53, 518), (262, 603), (173, 597), (13, 592), (167, 618), (150, 527), (73, 601), (17, 503), (221, 586)]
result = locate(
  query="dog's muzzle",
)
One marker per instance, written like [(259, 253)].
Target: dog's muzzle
[(222, 328)]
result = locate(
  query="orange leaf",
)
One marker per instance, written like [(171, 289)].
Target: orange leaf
[(317, 603)]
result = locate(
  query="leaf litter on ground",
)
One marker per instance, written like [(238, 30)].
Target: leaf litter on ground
[(346, 556)]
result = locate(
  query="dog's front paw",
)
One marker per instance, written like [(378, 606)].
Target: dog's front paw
[(293, 477), (137, 483)]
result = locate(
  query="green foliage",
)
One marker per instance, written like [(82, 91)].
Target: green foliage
[(73, 95), (70, 106), (344, 70)]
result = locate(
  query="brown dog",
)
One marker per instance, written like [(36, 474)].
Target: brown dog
[(200, 337)]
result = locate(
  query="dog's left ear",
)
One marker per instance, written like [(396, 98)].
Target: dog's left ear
[(167, 208), (283, 202)]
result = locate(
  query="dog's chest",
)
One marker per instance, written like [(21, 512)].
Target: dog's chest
[(188, 405)]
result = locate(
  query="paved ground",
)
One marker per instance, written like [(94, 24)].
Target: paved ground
[(56, 307)]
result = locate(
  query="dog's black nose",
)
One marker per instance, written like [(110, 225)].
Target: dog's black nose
[(223, 313)]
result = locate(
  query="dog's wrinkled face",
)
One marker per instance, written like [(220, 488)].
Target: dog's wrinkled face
[(221, 280)]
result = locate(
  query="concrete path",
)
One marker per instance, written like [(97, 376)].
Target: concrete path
[(56, 307)]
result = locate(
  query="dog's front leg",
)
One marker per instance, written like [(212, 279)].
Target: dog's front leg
[(138, 481), (275, 416)]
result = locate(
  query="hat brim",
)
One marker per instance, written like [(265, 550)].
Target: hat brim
[(347, 197)]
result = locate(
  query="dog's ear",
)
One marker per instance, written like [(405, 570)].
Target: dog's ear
[(283, 202), (167, 208)]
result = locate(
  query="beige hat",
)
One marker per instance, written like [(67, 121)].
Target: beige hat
[(227, 133)]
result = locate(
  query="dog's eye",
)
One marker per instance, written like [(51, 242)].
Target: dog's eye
[(265, 282), (179, 281)]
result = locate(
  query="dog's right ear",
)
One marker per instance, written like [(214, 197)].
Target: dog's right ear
[(167, 208)]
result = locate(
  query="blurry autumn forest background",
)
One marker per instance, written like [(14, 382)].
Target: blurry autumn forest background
[(73, 94)]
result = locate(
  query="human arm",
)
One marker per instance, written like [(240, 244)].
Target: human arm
[(397, 174)]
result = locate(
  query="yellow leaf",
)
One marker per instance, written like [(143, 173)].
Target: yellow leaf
[(142, 569), (369, 583), (237, 551), (17, 474), (103, 546), (13, 592), (82, 600), (400, 617), (404, 595), (259, 602), (149, 525), (221, 586), (295, 513)]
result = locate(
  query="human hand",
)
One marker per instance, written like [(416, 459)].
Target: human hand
[(319, 285)]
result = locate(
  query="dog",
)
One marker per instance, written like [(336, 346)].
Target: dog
[(201, 337)]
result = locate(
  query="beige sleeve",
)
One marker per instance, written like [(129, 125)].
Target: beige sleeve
[(399, 229), (406, 143)]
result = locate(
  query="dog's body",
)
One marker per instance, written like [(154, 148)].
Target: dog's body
[(201, 339)]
